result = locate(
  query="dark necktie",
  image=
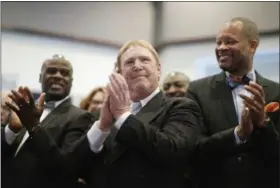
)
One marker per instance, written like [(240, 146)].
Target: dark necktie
[(234, 81)]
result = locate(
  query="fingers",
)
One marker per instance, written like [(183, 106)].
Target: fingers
[(111, 91), (29, 95), (113, 87), (121, 81), (116, 81), (41, 100), (11, 96), (12, 107), (256, 93), (257, 87), (17, 97), (252, 104)]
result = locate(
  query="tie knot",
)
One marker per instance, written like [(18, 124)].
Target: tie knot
[(135, 107), (234, 81), (49, 105)]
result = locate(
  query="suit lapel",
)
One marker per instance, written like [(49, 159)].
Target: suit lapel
[(63, 107), (261, 81), (149, 112), (152, 109), (223, 92)]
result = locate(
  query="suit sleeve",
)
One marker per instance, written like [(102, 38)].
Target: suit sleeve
[(6, 149), (169, 140), (217, 144), (55, 156), (224, 142), (266, 141)]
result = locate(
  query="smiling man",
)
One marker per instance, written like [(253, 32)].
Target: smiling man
[(235, 154), (142, 138), (33, 150), (176, 84)]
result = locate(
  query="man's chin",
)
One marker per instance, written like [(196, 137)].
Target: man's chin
[(225, 67), (176, 94), (55, 96)]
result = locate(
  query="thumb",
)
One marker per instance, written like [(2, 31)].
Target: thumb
[(41, 100)]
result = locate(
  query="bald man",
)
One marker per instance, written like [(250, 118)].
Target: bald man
[(176, 84)]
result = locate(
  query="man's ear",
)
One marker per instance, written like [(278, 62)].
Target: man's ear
[(253, 46)]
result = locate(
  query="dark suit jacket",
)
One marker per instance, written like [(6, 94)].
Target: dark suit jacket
[(222, 163), (152, 148), (40, 163)]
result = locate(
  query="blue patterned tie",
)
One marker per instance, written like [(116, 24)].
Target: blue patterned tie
[(135, 107), (234, 81)]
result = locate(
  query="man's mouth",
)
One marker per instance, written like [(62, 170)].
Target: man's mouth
[(56, 86), (224, 58)]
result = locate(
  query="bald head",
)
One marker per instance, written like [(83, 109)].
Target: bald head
[(56, 59), (249, 28)]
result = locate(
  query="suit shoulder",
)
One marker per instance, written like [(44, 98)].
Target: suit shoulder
[(76, 112), (203, 81), (181, 102)]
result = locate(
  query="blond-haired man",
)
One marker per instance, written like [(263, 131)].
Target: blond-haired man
[(142, 138)]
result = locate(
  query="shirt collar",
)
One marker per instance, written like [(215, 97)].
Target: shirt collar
[(147, 99), (57, 103), (251, 74)]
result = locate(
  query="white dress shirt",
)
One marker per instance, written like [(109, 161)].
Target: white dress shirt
[(238, 101), (96, 137), (10, 136)]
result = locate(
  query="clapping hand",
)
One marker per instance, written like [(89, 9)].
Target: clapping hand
[(28, 112)]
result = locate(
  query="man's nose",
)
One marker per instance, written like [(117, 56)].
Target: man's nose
[(171, 89), (222, 47), (58, 74), (137, 65)]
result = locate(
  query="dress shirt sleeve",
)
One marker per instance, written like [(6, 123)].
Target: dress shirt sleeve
[(121, 120), (96, 137), (10, 136), (238, 141)]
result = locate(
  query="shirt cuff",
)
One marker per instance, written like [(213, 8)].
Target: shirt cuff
[(10, 136), (121, 120), (238, 141), (96, 137)]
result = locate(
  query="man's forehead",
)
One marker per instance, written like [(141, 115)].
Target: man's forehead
[(176, 78), (233, 28), (55, 63), (135, 51)]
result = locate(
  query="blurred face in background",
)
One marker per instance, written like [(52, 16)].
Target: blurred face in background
[(5, 110), (96, 101), (141, 71), (175, 85)]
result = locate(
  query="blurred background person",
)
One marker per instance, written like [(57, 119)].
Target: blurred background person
[(176, 84), (5, 110), (94, 100)]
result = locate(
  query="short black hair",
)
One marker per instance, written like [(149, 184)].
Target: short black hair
[(250, 28)]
